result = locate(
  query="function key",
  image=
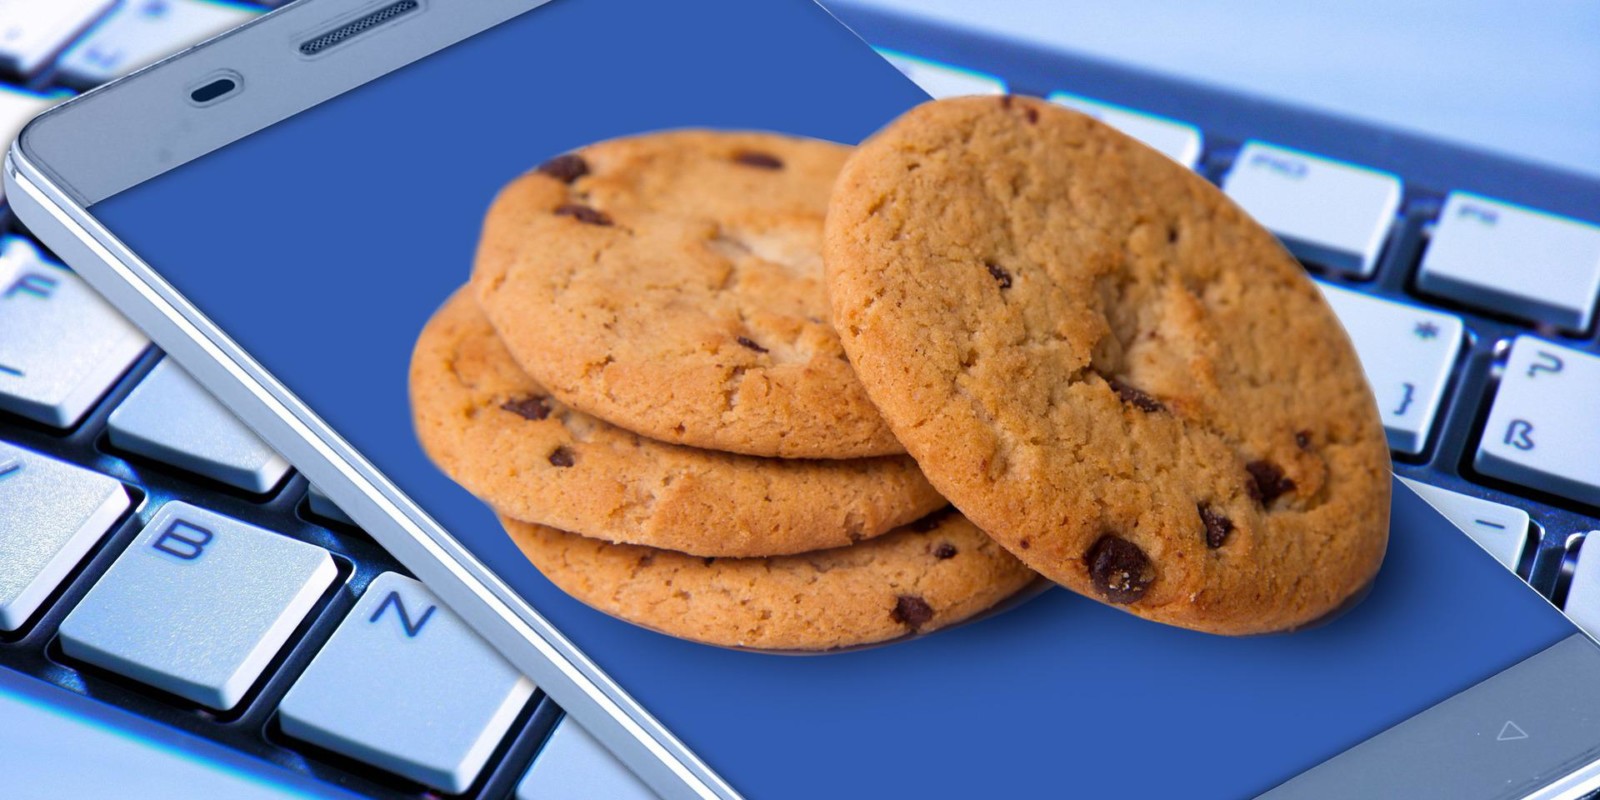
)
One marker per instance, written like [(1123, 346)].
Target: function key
[(1178, 141), (1327, 212), (1514, 260), (942, 80)]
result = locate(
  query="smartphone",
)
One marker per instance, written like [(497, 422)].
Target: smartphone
[(284, 207)]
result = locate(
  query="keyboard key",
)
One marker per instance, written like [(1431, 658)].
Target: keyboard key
[(33, 31), (1179, 141), (406, 686), (16, 108), (61, 346), (1407, 353), (1515, 260), (170, 418), (1583, 594), (324, 507), (1542, 431), (141, 32), (572, 765), (51, 513), (1500, 529), (943, 80), (198, 605), (1326, 212)]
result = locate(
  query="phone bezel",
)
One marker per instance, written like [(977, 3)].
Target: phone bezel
[(141, 126)]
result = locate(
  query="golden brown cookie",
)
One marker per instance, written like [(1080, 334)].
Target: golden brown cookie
[(672, 284), (1108, 366), (920, 578), (497, 432)]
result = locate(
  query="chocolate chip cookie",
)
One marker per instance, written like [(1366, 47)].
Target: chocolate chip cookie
[(503, 437), (1108, 366), (671, 284), (920, 578)]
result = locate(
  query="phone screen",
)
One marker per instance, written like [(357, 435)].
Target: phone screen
[(324, 243)]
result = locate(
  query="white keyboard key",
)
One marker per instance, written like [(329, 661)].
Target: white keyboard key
[(406, 686), (198, 605), (170, 418), (572, 765), (51, 513), (1500, 529), (1516, 260), (1543, 431), (1179, 141), (1327, 212), (141, 32), (1583, 594), (323, 507), (16, 108), (1407, 353), (33, 31), (61, 346), (943, 80)]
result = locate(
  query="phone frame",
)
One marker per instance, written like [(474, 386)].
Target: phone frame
[(145, 124)]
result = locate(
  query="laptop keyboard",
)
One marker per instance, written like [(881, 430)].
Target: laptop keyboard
[(158, 558)]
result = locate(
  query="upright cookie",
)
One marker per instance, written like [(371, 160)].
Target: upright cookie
[(672, 284), (1108, 366), (497, 432), (918, 579)]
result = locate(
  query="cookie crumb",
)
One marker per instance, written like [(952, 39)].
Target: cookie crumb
[(1135, 397), (945, 550), (1217, 526), (535, 407), (999, 274), (750, 344), (583, 213), (565, 168), (911, 611), (757, 159), (1267, 481), (1120, 571), (562, 457)]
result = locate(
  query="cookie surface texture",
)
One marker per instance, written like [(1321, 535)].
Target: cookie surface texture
[(505, 439), (917, 579), (671, 284), (1108, 366)]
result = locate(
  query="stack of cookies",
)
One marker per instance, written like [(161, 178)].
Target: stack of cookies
[(642, 381), (720, 385)]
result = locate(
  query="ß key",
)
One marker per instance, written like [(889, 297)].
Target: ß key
[(61, 346), (51, 513), (170, 418), (1542, 431), (1407, 353), (198, 605), (406, 686), (1326, 212), (1514, 260)]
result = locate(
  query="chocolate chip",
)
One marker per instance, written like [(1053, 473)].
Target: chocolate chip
[(1302, 439), (749, 343), (1025, 544), (1134, 397), (1031, 114), (583, 213), (710, 560), (944, 550), (911, 611), (562, 457), (1005, 101), (534, 407), (1172, 234), (1000, 275), (647, 559), (759, 160), (930, 521), (1119, 569), (566, 169), (1217, 526), (1267, 481)]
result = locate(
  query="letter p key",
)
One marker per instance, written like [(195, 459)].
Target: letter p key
[(183, 540)]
